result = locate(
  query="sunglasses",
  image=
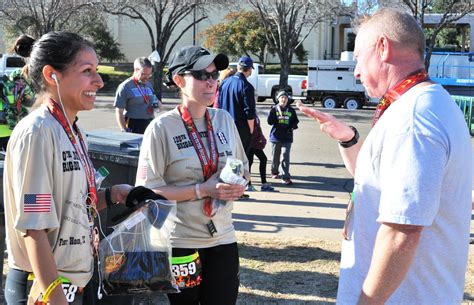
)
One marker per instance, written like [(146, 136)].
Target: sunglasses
[(203, 75)]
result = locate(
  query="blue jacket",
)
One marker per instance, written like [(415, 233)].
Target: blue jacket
[(237, 96), (283, 123)]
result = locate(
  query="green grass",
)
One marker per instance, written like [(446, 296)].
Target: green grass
[(111, 72)]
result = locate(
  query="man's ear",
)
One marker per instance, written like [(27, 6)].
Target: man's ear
[(383, 48)]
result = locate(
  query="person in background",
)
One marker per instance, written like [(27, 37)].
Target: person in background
[(283, 119), (237, 96), (135, 100), (15, 95), (407, 230), (182, 154), (49, 186), (257, 145), (224, 74)]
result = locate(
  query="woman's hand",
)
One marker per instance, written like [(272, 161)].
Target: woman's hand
[(119, 192), (220, 190)]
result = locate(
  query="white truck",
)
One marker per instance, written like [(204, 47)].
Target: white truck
[(9, 62), (266, 85), (333, 83)]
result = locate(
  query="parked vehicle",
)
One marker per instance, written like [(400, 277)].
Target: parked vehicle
[(333, 83), (9, 62), (267, 85)]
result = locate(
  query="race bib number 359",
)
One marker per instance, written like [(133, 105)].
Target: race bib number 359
[(187, 270)]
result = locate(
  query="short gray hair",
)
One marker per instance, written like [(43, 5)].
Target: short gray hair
[(142, 62), (398, 26)]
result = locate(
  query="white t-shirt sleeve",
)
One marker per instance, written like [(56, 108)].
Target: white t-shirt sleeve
[(411, 167), (152, 159), (32, 159)]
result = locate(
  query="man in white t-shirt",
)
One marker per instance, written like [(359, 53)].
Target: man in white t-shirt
[(407, 233)]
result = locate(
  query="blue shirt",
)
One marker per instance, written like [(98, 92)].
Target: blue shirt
[(237, 96)]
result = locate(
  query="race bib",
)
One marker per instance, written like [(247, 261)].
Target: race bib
[(187, 270), (72, 293)]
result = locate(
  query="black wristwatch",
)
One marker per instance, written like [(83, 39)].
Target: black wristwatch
[(351, 142), (108, 197)]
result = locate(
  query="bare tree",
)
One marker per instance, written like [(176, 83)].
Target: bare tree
[(161, 19), (450, 11), (288, 23), (37, 17)]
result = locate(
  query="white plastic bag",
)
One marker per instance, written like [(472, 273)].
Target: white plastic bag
[(232, 173), (136, 257)]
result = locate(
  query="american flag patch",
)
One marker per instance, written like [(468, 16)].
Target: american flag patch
[(141, 172), (37, 203)]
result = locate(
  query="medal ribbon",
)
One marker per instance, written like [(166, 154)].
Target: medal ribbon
[(17, 97), (81, 151), (208, 163), (145, 97), (401, 87)]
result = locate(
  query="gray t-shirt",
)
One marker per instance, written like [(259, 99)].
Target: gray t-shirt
[(167, 157), (414, 168), (129, 96), (45, 188)]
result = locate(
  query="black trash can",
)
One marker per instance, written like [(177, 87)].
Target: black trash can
[(118, 152)]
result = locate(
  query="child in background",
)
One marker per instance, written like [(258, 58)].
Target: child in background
[(283, 119)]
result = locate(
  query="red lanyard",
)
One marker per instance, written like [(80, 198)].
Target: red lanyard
[(81, 151), (401, 87), (17, 97), (208, 164), (145, 97)]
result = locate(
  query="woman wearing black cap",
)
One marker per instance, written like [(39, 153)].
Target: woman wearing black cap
[(182, 153)]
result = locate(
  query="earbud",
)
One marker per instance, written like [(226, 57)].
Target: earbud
[(53, 76)]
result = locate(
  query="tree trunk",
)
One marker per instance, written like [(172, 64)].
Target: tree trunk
[(429, 48), (158, 78), (285, 68)]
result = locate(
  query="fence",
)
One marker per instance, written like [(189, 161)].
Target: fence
[(465, 103)]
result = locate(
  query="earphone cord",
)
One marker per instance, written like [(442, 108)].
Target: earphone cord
[(61, 102)]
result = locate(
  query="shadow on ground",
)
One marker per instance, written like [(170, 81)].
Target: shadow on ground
[(275, 224)]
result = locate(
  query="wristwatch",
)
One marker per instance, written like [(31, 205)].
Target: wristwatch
[(108, 197), (351, 142)]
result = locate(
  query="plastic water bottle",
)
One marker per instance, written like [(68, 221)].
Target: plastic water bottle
[(100, 175)]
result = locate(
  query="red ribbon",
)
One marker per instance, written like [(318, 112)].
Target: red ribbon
[(401, 87), (81, 150), (208, 163), (145, 97)]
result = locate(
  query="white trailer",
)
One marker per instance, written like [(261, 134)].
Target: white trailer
[(333, 83)]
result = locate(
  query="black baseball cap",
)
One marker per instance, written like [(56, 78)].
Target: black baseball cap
[(195, 58)]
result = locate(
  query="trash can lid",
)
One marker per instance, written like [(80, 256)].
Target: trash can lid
[(110, 141)]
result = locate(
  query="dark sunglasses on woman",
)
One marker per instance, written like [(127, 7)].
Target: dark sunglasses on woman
[(203, 75)]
